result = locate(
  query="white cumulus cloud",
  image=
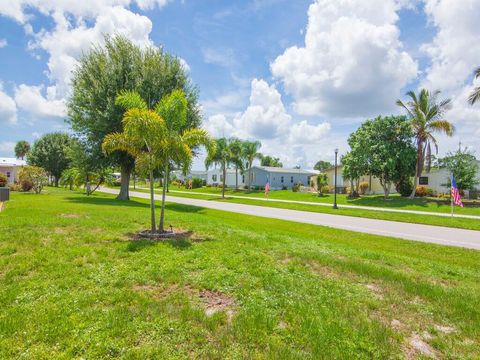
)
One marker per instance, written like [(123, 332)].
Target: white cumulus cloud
[(32, 100), (8, 108), (352, 63)]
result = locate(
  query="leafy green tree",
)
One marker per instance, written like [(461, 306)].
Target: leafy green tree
[(353, 169), (250, 153), (271, 161), (464, 167), (50, 152), (118, 66), (475, 95), (427, 118), (323, 166), (236, 157), (322, 181), (22, 148), (35, 175), (221, 156)]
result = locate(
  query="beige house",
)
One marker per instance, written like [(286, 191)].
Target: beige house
[(9, 167), (342, 184)]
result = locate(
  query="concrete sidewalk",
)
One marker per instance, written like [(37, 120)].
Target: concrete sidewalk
[(417, 232)]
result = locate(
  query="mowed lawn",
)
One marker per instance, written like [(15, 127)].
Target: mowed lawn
[(75, 283), (456, 222)]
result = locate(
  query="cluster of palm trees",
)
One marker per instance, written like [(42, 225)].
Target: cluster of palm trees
[(426, 113), (157, 137), (237, 153)]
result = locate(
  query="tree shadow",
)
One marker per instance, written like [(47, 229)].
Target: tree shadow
[(181, 241), (392, 202)]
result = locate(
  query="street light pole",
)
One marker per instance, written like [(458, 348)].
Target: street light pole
[(335, 187)]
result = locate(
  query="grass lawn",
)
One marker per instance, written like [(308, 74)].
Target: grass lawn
[(74, 283), (472, 224)]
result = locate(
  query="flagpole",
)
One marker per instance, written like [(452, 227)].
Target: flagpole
[(451, 196)]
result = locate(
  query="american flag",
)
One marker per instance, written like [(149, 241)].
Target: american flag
[(267, 187), (457, 200)]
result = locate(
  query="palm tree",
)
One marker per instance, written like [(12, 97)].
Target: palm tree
[(22, 148), (427, 118), (475, 95), (236, 157), (179, 141), (221, 156), (250, 153), (143, 133)]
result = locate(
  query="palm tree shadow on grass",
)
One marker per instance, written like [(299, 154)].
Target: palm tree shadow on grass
[(132, 203), (138, 244)]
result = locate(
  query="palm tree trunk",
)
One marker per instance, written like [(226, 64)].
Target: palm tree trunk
[(224, 180), (417, 167), (250, 175), (236, 178), (152, 203), (161, 227), (125, 182)]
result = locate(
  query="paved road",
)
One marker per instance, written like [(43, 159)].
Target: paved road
[(424, 233)]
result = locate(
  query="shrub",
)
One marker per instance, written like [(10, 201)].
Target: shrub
[(176, 183), (15, 187), (3, 180), (430, 192), (404, 187), (34, 175), (197, 183), (296, 187), (284, 187), (26, 185), (363, 187), (421, 191)]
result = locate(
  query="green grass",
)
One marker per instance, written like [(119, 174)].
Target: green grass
[(395, 201), (461, 223), (75, 284)]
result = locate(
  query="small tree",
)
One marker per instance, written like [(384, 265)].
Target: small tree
[(323, 166), (236, 157), (51, 153), (22, 148), (464, 167), (322, 181), (36, 175), (250, 153), (221, 156)]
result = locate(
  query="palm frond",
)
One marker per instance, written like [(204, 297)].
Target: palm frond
[(130, 99), (442, 126)]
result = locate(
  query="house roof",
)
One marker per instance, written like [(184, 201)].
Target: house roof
[(4, 162), (280, 170)]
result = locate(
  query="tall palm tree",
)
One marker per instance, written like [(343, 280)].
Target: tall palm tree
[(427, 118), (143, 133), (22, 148), (475, 95), (220, 156), (236, 157), (250, 152), (179, 142)]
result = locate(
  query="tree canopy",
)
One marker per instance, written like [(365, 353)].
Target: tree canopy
[(464, 167), (323, 166), (22, 148), (271, 161), (50, 152), (103, 73)]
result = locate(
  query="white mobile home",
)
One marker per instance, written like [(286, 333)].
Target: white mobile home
[(10, 167), (280, 178)]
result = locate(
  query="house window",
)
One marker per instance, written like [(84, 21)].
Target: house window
[(214, 177), (8, 174), (423, 180), (281, 179), (243, 178), (291, 179)]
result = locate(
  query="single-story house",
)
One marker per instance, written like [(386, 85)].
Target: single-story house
[(215, 177), (436, 180), (178, 174), (10, 167), (280, 178)]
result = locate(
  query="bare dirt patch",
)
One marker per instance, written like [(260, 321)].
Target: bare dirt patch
[(416, 345), (216, 301), (444, 329), (376, 290), (70, 216)]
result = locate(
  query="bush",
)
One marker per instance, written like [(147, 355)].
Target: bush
[(404, 187), (34, 176), (430, 192), (363, 187), (26, 185), (284, 187), (15, 187), (296, 187), (421, 191), (176, 183), (3, 180), (197, 183)]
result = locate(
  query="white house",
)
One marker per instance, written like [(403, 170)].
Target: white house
[(437, 179), (215, 177), (9, 167)]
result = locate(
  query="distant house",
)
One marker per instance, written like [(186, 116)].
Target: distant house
[(10, 167), (437, 179), (192, 174), (215, 177)]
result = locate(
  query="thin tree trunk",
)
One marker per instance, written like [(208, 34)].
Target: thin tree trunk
[(56, 180), (236, 178), (417, 168), (250, 176), (161, 227), (167, 181), (125, 182), (152, 203), (224, 180)]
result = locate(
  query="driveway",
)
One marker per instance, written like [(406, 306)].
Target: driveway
[(408, 231)]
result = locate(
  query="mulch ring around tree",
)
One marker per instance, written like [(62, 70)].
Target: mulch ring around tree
[(164, 235)]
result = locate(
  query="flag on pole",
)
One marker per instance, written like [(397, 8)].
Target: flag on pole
[(267, 188), (456, 199)]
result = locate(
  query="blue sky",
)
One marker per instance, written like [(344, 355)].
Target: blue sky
[(297, 75)]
